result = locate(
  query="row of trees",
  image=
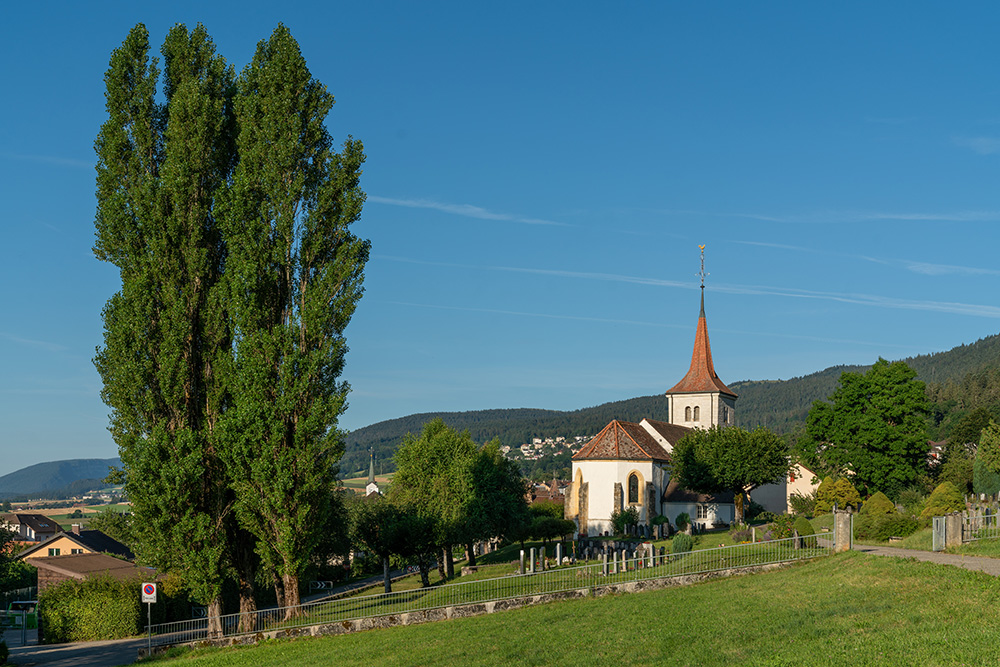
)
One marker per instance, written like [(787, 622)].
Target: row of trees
[(227, 211), (447, 491)]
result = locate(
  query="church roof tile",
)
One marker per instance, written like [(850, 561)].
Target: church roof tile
[(701, 376), (622, 440)]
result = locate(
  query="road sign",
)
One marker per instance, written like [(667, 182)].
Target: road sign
[(148, 593)]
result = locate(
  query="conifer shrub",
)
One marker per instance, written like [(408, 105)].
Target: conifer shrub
[(825, 496), (681, 544), (803, 527), (682, 520), (944, 499), (878, 504), (880, 527)]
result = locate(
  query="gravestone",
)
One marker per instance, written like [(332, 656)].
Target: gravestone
[(559, 554), (520, 563), (614, 563), (604, 564), (531, 567)]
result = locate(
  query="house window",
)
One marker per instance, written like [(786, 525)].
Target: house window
[(53, 552), (76, 551), (697, 413), (633, 488), (702, 512), (687, 413)]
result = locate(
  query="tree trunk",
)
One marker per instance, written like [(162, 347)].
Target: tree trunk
[(469, 548), (738, 501), (279, 590), (441, 559), (248, 605), (215, 618), (449, 563), (385, 574), (423, 562), (292, 601)]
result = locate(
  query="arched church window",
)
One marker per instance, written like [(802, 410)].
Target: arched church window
[(687, 413), (633, 488), (725, 414), (697, 413)]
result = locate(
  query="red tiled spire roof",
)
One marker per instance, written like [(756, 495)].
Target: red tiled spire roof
[(701, 377), (623, 440)]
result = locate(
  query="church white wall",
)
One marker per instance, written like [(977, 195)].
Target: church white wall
[(712, 409), (601, 477)]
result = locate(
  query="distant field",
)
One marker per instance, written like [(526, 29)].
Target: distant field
[(359, 483), (61, 515), (850, 609)]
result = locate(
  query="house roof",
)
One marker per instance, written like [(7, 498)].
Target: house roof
[(701, 376), (81, 566), (669, 432), (675, 494), (622, 440), (39, 523), (93, 540)]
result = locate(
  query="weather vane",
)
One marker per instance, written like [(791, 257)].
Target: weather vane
[(702, 273)]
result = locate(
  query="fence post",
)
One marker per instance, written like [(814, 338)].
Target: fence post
[(843, 539), (953, 530)]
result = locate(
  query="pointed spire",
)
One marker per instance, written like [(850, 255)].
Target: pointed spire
[(371, 466), (701, 376)]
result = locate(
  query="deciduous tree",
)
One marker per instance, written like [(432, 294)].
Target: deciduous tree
[(729, 459)]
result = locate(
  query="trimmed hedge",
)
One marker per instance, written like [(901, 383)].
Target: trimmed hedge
[(879, 503), (93, 609), (682, 543), (879, 528), (803, 527)]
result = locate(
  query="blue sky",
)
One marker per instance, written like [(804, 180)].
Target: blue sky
[(539, 178)]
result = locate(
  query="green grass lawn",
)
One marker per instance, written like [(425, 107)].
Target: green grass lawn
[(849, 609)]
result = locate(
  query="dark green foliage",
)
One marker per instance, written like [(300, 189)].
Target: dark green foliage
[(116, 525), (91, 610), (541, 508), (729, 459), (912, 500), (547, 528), (681, 543), (873, 428), (804, 505), (984, 480), (682, 520), (880, 527), (659, 520), (621, 519), (959, 469), (803, 527), (945, 499), (878, 504), (4, 652)]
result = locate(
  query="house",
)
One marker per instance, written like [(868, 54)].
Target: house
[(30, 527), (626, 465), (54, 569), (77, 542)]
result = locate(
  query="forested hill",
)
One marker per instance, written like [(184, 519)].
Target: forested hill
[(781, 405)]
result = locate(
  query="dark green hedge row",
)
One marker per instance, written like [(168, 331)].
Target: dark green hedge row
[(97, 608)]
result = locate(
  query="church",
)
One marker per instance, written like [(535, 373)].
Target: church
[(627, 463)]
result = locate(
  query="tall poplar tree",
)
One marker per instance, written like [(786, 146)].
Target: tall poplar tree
[(160, 165), (294, 275)]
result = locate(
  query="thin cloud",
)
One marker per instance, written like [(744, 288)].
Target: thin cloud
[(955, 308), (840, 217), (49, 159), (41, 344), (981, 145), (577, 318), (464, 210)]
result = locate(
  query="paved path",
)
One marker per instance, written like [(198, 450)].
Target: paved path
[(80, 654), (977, 563)]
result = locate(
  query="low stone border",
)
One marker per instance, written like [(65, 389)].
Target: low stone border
[(467, 610)]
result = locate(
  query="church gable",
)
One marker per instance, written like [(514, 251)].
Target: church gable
[(623, 440)]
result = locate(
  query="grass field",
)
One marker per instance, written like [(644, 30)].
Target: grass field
[(849, 609)]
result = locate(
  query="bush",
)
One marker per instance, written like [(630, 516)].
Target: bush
[(878, 504), (912, 500), (880, 527), (753, 511), (803, 504), (840, 492), (681, 544), (781, 527), (824, 496), (741, 535), (767, 517), (90, 610), (659, 520), (682, 520), (622, 519), (945, 498), (803, 527), (4, 652)]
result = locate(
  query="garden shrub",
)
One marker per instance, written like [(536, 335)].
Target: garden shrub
[(682, 520), (752, 511), (824, 496), (659, 520), (781, 527), (803, 504), (682, 543), (944, 499), (741, 535), (878, 504), (880, 527), (90, 610), (767, 516), (803, 527), (622, 519), (840, 492)]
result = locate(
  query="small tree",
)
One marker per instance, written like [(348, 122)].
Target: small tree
[(878, 504), (621, 519), (943, 500)]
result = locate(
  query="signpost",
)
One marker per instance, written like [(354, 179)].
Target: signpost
[(149, 597)]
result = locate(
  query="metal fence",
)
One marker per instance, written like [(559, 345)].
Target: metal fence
[(606, 572), (980, 526)]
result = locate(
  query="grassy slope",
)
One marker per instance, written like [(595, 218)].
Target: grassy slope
[(850, 609)]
